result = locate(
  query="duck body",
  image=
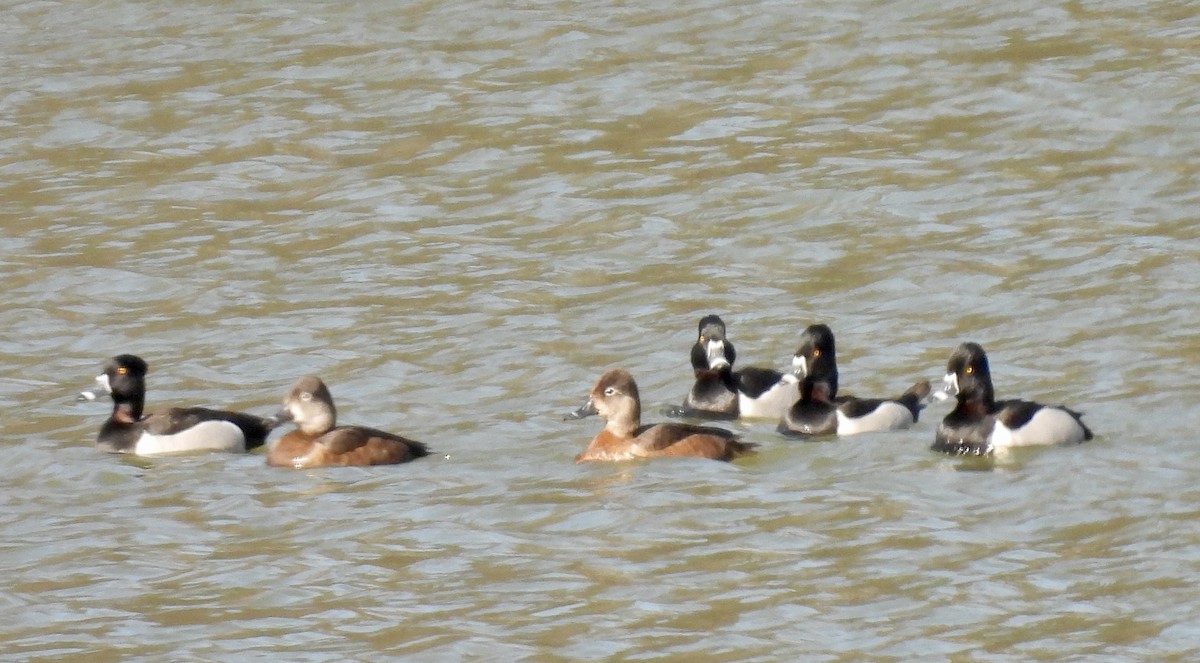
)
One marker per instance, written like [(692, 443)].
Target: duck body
[(867, 415), (181, 430), (173, 430), (318, 440), (615, 398), (979, 424), (765, 393), (346, 445), (714, 394), (663, 440), (821, 411), (721, 392), (848, 415)]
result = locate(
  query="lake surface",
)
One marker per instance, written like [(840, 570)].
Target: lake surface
[(460, 213)]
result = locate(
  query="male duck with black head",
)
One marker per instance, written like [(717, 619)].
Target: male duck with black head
[(615, 398), (979, 424), (318, 440), (175, 430), (820, 411), (721, 392)]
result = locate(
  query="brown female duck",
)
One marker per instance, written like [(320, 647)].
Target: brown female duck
[(615, 398), (318, 440)]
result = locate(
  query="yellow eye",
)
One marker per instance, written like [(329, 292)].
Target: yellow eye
[(969, 370), (122, 370), (701, 338), (816, 353)]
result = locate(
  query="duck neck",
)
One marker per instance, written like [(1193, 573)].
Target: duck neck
[(625, 421), (127, 411), (320, 424), (817, 391), (979, 394)]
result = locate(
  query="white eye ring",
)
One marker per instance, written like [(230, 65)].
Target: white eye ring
[(306, 397), (610, 391)]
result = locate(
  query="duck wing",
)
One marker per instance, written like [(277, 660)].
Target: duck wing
[(754, 381), (348, 439), (176, 419)]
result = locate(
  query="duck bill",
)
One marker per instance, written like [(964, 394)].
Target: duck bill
[(949, 388), (585, 410), (101, 388), (715, 351), (281, 417), (799, 366)]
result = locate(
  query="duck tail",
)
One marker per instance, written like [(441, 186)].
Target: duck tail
[(916, 397), (739, 448), (1087, 432)]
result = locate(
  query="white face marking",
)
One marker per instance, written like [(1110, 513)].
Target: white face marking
[(295, 410), (799, 366)]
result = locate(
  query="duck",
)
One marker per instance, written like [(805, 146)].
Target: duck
[(821, 411), (174, 430), (615, 398), (317, 440), (720, 392), (980, 425)]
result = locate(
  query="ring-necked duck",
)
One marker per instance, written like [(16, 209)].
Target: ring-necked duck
[(719, 391), (979, 424), (318, 440), (820, 411), (173, 430), (615, 398)]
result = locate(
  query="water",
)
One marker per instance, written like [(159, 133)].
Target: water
[(459, 214)]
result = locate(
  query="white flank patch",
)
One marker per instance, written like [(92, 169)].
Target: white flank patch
[(1049, 425), (773, 403), (205, 436), (888, 416)]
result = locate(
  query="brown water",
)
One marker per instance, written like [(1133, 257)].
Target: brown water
[(459, 214)]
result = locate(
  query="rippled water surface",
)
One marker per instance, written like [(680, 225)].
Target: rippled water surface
[(460, 213)]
